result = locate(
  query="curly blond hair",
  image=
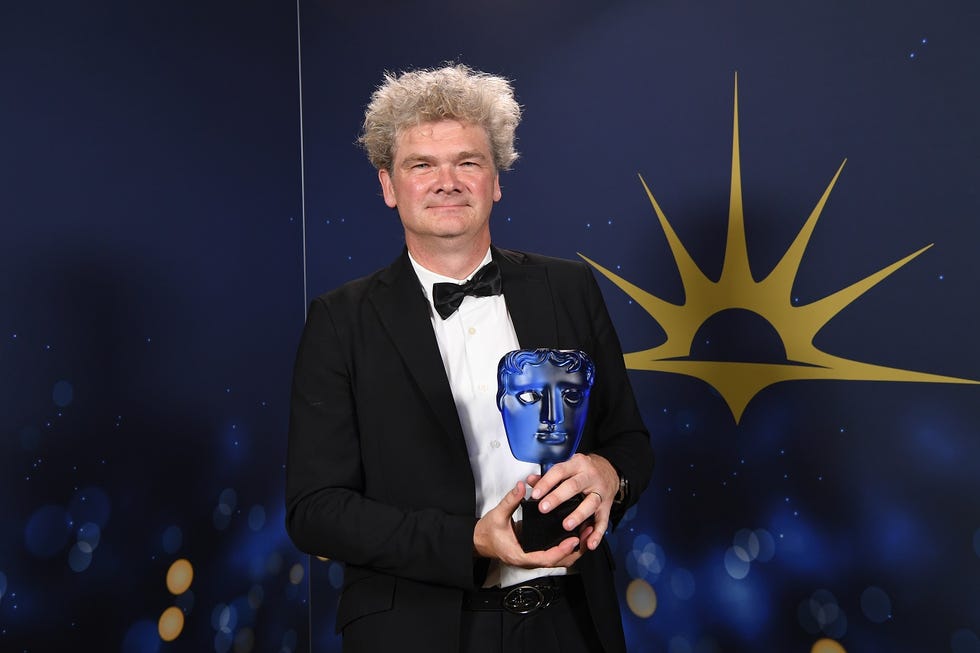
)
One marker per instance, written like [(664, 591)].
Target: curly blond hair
[(454, 92)]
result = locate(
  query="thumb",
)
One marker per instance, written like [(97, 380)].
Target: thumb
[(512, 499)]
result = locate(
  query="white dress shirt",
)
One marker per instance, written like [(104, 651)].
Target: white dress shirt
[(472, 341)]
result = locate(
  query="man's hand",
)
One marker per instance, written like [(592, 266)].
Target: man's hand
[(494, 537), (592, 476)]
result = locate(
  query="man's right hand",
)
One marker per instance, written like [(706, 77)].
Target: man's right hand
[(494, 538)]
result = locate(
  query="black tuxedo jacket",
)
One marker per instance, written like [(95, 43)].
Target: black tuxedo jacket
[(378, 475)]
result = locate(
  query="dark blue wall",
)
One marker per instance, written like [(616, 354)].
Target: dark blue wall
[(150, 302)]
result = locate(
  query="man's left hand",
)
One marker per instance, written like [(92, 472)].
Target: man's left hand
[(592, 476)]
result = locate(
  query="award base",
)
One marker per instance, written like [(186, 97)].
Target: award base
[(540, 531)]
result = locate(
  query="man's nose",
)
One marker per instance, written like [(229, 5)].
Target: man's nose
[(447, 181)]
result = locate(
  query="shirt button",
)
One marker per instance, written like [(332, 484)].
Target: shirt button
[(472, 330), (495, 444)]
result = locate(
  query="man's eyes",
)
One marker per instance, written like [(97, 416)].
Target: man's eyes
[(424, 165)]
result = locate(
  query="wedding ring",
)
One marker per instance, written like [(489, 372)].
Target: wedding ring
[(597, 494)]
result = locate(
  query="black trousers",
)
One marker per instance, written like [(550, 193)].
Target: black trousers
[(565, 626)]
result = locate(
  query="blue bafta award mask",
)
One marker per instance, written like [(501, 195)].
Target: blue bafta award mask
[(543, 397)]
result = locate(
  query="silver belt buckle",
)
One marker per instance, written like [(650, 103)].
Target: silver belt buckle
[(524, 599)]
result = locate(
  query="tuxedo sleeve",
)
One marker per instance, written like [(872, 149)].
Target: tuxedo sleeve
[(329, 512)]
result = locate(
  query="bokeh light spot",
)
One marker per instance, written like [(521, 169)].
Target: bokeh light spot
[(822, 614), (90, 535), (80, 557), (227, 500), (876, 604), (171, 624), (142, 637), (827, 646), (767, 545), (173, 537), (179, 576), (47, 531), (222, 641), (746, 545), (224, 618), (244, 640), (646, 560), (641, 598), (296, 573), (736, 567), (62, 393)]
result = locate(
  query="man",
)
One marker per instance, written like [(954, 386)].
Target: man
[(395, 464)]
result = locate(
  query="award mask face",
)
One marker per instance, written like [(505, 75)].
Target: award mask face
[(543, 396)]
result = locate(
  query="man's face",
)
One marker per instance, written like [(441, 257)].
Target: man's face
[(544, 409), (443, 183)]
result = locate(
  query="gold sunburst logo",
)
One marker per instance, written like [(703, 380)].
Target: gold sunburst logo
[(770, 298)]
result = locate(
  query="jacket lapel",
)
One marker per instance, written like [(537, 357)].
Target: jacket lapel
[(529, 301), (404, 313)]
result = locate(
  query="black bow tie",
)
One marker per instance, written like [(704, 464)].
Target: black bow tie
[(448, 296)]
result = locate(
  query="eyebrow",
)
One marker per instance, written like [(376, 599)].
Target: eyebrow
[(416, 157), (471, 155)]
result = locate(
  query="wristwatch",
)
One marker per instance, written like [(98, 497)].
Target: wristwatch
[(624, 490)]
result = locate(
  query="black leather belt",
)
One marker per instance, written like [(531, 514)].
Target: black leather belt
[(524, 598)]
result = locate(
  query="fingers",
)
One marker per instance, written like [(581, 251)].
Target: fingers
[(493, 535), (562, 555), (578, 475), (511, 500), (598, 529), (562, 482), (591, 505), (591, 476)]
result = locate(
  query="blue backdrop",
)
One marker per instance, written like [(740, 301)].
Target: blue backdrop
[(156, 262)]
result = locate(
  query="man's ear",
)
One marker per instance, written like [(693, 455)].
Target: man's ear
[(387, 188)]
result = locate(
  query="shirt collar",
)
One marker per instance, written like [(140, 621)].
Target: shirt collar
[(428, 277)]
